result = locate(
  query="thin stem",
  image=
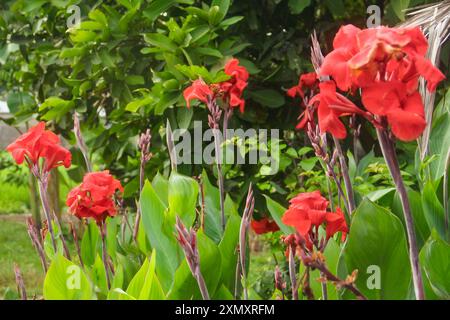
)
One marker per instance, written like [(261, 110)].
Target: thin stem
[(202, 286), (42, 183), (138, 209), (220, 181), (292, 274), (331, 277), (324, 288), (61, 236), (77, 244), (346, 176), (105, 253), (19, 281), (387, 147)]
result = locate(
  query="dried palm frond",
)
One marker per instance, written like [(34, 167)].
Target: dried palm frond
[(434, 20)]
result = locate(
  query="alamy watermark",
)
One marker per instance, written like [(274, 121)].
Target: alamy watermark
[(249, 146)]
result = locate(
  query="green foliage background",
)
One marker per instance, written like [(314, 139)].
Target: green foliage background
[(124, 68)]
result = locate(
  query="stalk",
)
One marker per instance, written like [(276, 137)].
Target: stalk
[(390, 157), (243, 230), (42, 183), (105, 253), (292, 274), (346, 176)]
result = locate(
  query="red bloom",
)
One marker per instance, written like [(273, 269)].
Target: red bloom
[(331, 106), (335, 223), (39, 143), (234, 87), (264, 226), (306, 80), (360, 56), (94, 197), (308, 210), (197, 90)]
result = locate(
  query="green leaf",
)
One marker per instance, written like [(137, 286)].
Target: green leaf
[(439, 144), (56, 107), (268, 97), (66, 281), (420, 222), (161, 187), (297, 6), (157, 7), (90, 243), (435, 258), (160, 233), (433, 209), (276, 210), (377, 240), (213, 220), (160, 41), (145, 284), (183, 197), (399, 7), (18, 101), (227, 247), (135, 105), (223, 5), (135, 80)]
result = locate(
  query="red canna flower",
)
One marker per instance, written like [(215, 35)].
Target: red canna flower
[(336, 223), (37, 144), (330, 106), (360, 56), (308, 211), (306, 80), (305, 211), (233, 88), (197, 90), (94, 197), (264, 226)]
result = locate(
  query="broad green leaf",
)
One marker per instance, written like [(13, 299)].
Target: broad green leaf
[(276, 210), (145, 284), (439, 144), (377, 241), (160, 234), (433, 209), (90, 243), (66, 281), (420, 222), (183, 197), (19, 100), (161, 187), (213, 219), (228, 250), (435, 258), (135, 80)]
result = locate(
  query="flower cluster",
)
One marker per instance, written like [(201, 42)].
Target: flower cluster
[(37, 144), (230, 90), (264, 225), (94, 197), (385, 65), (308, 211)]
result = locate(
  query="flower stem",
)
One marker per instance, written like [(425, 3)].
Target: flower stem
[(387, 147), (42, 183), (346, 176), (292, 274), (105, 253), (220, 181)]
